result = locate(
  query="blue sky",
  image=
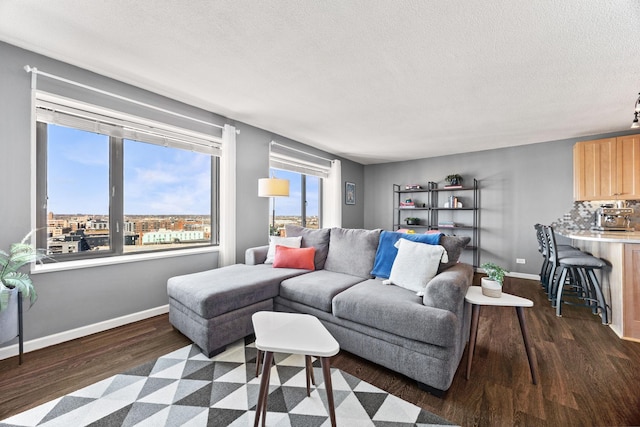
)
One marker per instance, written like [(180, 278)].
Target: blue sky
[(158, 180)]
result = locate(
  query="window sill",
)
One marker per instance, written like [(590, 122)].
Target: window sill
[(100, 262)]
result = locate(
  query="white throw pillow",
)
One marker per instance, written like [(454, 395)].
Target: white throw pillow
[(290, 242), (416, 264)]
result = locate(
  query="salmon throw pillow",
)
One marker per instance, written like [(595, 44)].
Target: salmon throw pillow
[(301, 258)]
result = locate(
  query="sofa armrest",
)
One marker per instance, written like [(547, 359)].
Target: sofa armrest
[(257, 255), (448, 289)]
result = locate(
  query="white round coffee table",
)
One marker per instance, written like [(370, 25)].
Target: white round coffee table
[(476, 299), (297, 334)]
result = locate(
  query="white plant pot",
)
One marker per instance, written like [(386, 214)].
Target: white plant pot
[(491, 288), (9, 318)]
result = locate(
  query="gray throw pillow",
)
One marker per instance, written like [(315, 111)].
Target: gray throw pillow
[(454, 246), (318, 239), (352, 251)]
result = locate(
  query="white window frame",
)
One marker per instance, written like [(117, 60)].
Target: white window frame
[(54, 109)]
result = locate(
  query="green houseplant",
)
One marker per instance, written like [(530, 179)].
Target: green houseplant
[(454, 179), (11, 279), (412, 221), (492, 284)]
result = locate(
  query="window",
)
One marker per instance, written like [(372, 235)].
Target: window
[(112, 184), (302, 207)]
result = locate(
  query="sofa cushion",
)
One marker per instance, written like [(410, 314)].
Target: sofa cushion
[(214, 292), (386, 252), (396, 310), (291, 242), (352, 251), (318, 239), (317, 289), (454, 246), (416, 264), (294, 258)]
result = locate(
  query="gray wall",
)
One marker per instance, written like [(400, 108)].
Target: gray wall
[(75, 298), (519, 186)]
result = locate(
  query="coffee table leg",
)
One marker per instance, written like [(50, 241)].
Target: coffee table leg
[(475, 316), (527, 346), (309, 369), (326, 373), (258, 358), (263, 394)]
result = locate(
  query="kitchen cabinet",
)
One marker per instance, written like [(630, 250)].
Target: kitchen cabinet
[(423, 205), (631, 292), (607, 169)]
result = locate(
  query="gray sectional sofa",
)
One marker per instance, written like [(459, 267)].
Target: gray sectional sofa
[(422, 337)]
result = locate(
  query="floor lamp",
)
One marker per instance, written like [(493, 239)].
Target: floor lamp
[(273, 187)]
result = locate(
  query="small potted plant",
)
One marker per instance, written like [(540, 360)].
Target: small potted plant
[(454, 180), (492, 284), (412, 221)]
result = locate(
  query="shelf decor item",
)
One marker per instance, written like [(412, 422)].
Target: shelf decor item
[(454, 180), (412, 221), (492, 284)]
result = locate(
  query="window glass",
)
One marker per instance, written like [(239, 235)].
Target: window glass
[(302, 207), (102, 195), (77, 191), (167, 197)]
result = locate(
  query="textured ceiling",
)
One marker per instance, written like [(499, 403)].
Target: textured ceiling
[(371, 80)]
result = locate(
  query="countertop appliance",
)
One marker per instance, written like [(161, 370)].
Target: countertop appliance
[(609, 218)]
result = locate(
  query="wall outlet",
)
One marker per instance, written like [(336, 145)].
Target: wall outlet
[(521, 261)]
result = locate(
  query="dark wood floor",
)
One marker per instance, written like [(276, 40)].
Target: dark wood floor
[(588, 376)]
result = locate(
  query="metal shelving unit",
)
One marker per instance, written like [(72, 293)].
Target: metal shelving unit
[(468, 216)]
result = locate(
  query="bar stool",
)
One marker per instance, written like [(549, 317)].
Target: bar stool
[(576, 277), (551, 256)]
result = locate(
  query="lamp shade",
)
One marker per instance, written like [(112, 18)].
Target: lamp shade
[(272, 187)]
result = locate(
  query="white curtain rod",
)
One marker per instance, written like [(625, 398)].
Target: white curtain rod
[(35, 71), (300, 151)]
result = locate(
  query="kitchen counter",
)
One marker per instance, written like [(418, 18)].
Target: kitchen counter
[(621, 281), (601, 236)]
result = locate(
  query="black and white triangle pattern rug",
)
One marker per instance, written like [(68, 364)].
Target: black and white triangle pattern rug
[(186, 388)]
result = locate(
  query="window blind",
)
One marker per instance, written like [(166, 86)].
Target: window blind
[(291, 159), (61, 111)]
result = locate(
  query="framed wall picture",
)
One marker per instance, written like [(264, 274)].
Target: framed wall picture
[(349, 193)]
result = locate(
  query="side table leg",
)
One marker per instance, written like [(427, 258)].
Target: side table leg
[(527, 346), (326, 373), (263, 394), (473, 335)]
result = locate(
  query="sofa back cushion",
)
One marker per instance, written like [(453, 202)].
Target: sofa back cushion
[(352, 251), (454, 246), (318, 239)]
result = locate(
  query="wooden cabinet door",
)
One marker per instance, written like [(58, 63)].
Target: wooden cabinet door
[(631, 292), (628, 167), (595, 169)]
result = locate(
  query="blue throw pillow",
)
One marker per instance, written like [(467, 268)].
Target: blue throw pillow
[(386, 253)]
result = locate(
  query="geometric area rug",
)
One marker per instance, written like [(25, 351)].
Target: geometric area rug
[(186, 388)]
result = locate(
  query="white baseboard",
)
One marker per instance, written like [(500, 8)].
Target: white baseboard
[(529, 276), (38, 343)]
